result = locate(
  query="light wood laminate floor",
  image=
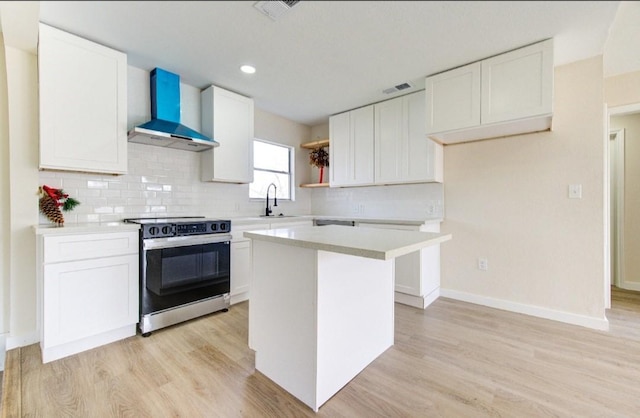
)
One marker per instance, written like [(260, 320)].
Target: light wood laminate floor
[(453, 359)]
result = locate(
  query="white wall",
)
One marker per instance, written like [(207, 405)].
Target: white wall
[(23, 187), (506, 200), (167, 182), (4, 203)]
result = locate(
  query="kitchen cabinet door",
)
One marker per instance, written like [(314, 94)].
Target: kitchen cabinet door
[(87, 298), (83, 298), (509, 94), (227, 117), (352, 148), (403, 153), (453, 99), (240, 270), (390, 142), (518, 84), (83, 104)]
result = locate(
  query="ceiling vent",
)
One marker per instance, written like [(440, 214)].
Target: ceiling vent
[(275, 8), (397, 88)]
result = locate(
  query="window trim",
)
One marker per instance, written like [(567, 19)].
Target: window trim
[(291, 173)]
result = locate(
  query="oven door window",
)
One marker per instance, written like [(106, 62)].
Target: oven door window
[(171, 270)]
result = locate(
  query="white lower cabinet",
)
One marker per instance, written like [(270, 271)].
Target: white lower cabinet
[(241, 264), (240, 270), (417, 275), (89, 299)]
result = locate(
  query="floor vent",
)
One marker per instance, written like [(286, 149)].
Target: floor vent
[(275, 8), (399, 87)]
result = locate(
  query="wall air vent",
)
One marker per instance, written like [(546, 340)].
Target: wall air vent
[(275, 8), (397, 88)]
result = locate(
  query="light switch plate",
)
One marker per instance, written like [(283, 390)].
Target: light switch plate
[(575, 191)]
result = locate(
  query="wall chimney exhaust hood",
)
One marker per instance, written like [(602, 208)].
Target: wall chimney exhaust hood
[(164, 129)]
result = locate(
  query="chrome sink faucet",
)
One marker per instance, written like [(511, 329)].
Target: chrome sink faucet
[(267, 210)]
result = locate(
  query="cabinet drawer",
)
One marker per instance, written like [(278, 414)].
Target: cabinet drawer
[(84, 246)]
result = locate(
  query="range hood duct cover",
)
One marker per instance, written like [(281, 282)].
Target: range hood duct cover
[(164, 129)]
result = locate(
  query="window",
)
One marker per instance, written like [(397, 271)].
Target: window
[(272, 163)]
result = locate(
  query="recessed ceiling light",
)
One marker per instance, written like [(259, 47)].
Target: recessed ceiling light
[(248, 69)]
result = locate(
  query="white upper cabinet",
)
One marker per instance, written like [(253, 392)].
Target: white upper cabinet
[(453, 99), (352, 148), (508, 94), (83, 104), (402, 152), (518, 84), (227, 117)]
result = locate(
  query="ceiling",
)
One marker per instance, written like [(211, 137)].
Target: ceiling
[(325, 57)]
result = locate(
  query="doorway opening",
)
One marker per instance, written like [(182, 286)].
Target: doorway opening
[(623, 164)]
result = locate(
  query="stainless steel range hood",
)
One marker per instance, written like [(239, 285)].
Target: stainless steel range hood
[(164, 129)]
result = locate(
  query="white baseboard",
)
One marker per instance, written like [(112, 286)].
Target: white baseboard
[(630, 286), (22, 340), (546, 313), (3, 350), (241, 297), (417, 301), (78, 346)]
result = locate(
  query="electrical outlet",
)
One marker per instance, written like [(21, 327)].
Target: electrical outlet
[(575, 191), (361, 209), (356, 208), (483, 264)]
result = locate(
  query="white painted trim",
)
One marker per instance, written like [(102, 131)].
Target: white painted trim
[(619, 143), (23, 340), (420, 302), (624, 110), (64, 350), (630, 286), (606, 204), (3, 350), (537, 311), (240, 297)]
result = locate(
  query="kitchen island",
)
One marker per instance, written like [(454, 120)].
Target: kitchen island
[(322, 303)]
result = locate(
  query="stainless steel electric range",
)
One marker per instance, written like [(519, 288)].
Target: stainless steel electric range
[(184, 269)]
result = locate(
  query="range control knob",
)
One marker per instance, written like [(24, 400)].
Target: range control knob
[(223, 226), (214, 227), (153, 230), (166, 229)]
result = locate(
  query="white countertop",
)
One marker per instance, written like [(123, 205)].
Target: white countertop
[(85, 228), (249, 220), (381, 244)]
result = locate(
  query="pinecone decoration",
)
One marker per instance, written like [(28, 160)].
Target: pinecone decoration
[(51, 210), (53, 202)]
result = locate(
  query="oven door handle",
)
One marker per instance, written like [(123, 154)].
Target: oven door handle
[(172, 242)]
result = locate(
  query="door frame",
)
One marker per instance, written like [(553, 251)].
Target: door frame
[(618, 260), (619, 111)]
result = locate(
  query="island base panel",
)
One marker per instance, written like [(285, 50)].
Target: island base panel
[(318, 318), (355, 317)]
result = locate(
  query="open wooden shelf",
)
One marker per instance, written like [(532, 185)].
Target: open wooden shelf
[(316, 144), (315, 185)]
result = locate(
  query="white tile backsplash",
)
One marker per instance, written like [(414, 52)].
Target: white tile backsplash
[(160, 182), (413, 201), (166, 182)]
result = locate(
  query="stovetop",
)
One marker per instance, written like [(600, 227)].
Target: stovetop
[(179, 226), (165, 220)]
